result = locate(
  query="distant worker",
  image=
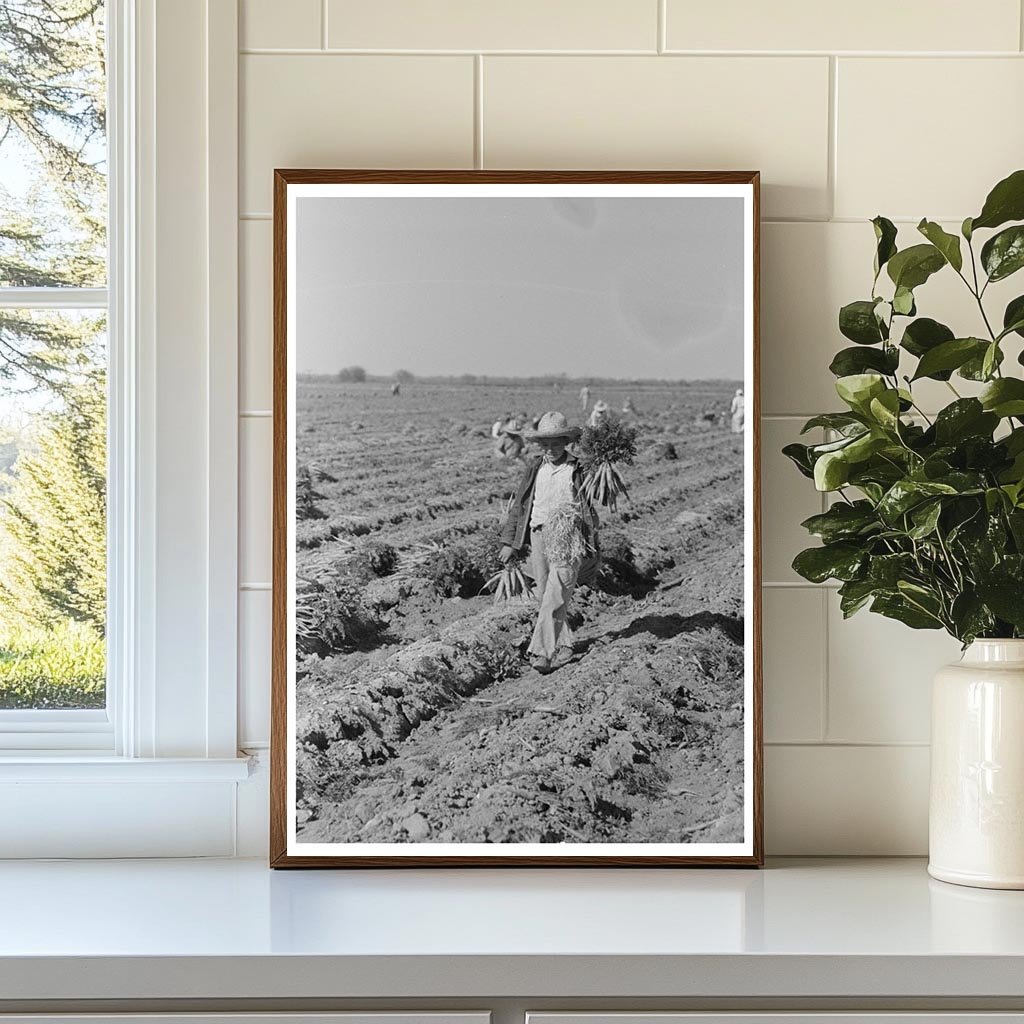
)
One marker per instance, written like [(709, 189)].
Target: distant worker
[(584, 398), (601, 413), (628, 408), (737, 411), (498, 424), (396, 389), (510, 442)]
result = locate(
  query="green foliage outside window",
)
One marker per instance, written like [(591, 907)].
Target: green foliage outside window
[(52, 365)]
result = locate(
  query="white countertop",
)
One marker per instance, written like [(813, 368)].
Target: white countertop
[(234, 929)]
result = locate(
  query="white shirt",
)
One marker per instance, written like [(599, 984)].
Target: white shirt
[(552, 489)]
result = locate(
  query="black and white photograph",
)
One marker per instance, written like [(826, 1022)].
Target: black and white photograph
[(515, 540)]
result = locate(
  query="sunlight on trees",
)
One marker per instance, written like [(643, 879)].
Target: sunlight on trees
[(53, 212)]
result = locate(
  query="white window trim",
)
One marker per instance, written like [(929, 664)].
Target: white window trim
[(172, 500), (77, 731)]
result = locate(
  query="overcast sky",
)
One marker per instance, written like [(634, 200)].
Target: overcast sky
[(522, 286)]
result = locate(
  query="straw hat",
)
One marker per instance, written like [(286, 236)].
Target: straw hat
[(553, 425), (600, 406)]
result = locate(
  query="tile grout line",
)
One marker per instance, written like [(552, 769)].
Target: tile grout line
[(798, 585), (662, 29), (478, 111), (824, 724), (259, 215), (852, 744), (258, 51), (1020, 25), (323, 24), (833, 134)]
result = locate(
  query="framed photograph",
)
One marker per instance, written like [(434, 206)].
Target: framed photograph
[(516, 613)]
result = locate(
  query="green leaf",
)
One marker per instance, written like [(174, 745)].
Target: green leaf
[(1013, 316), (841, 421), (1014, 441), (974, 368), (994, 499), (971, 617), (903, 302), (1015, 520), (897, 607), (857, 321), (831, 471), (799, 455), (885, 409), (887, 570), (906, 494), (990, 361), (1004, 397), (911, 267), (947, 244), (872, 491), (858, 389), (885, 237), (1003, 254), (965, 229), (841, 561), (1005, 202), (924, 334), (1005, 596), (864, 446), (849, 361), (948, 356), (925, 518), (833, 446), (854, 595), (963, 482), (981, 537), (966, 417), (842, 521)]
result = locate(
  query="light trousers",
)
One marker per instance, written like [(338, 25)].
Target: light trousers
[(555, 585)]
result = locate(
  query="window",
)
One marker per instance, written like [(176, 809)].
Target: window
[(148, 159), (53, 368)]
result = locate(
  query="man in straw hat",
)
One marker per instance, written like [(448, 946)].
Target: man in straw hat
[(550, 486)]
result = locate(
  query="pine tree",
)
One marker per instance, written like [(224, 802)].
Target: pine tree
[(53, 519), (53, 234), (53, 123)]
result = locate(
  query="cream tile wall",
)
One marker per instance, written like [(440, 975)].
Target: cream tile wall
[(906, 109)]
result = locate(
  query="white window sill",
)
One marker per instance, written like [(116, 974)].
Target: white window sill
[(82, 767)]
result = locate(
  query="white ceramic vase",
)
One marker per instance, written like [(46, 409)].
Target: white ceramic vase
[(976, 814)]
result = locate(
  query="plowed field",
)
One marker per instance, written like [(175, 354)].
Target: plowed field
[(418, 719)]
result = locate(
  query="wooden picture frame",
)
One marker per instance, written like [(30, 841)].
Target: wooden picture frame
[(286, 849)]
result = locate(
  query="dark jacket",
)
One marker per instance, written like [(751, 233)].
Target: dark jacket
[(515, 527)]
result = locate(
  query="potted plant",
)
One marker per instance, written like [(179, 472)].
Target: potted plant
[(926, 524)]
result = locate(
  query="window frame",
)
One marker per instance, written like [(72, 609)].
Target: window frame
[(170, 149), (92, 730)]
